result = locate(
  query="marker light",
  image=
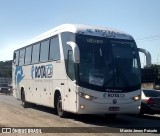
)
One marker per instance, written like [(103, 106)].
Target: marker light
[(82, 106)]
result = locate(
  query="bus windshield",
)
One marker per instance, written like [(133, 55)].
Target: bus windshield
[(105, 63)]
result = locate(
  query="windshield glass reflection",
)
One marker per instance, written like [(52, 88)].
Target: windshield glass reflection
[(110, 64)]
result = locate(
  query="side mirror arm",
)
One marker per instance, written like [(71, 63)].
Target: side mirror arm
[(148, 56)]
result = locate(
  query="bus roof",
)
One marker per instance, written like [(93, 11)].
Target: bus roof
[(83, 29), (95, 31)]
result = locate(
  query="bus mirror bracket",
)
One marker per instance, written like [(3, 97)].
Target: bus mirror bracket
[(76, 53), (148, 56)]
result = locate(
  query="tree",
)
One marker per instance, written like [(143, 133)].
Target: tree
[(6, 69), (152, 73)]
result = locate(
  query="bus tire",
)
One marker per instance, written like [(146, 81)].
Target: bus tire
[(24, 103), (61, 113)]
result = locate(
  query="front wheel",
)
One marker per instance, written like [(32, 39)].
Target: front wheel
[(60, 111)]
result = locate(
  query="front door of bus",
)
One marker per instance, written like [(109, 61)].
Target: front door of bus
[(72, 97), (71, 86)]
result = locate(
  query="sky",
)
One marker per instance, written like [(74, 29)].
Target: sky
[(22, 20)]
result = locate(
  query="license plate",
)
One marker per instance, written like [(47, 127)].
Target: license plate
[(113, 108)]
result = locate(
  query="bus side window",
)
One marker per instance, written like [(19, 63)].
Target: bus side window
[(21, 57), (16, 57), (44, 51), (35, 53), (54, 53), (28, 55)]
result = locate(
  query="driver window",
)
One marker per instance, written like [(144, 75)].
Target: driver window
[(16, 58), (70, 65)]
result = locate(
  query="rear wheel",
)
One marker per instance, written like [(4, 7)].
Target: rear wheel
[(60, 111), (24, 103)]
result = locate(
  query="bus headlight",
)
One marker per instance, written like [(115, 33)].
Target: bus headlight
[(86, 96), (136, 98)]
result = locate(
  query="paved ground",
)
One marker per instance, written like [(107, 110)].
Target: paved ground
[(12, 114)]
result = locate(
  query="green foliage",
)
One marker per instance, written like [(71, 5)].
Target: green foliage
[(156, 71), (6, 69)]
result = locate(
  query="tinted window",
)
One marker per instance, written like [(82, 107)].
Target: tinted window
[(35, 53), (151, 93), (4, 85), (21, 57), (70, 65), (28, 55), (54, 49), (67, 50), (66, 37), (44, 51), (16, 57)]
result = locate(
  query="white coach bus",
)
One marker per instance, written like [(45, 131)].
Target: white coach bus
[(80, 69)]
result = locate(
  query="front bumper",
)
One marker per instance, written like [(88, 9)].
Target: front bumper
[(91, 107)]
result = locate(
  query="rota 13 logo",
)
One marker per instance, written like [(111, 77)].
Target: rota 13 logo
[(43, 71)]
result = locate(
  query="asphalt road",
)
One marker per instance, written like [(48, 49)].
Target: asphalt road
[(46, 117)]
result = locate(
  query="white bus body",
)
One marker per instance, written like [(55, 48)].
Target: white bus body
[(80, 69)]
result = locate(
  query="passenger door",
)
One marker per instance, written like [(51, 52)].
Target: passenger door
[(71, 84)]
